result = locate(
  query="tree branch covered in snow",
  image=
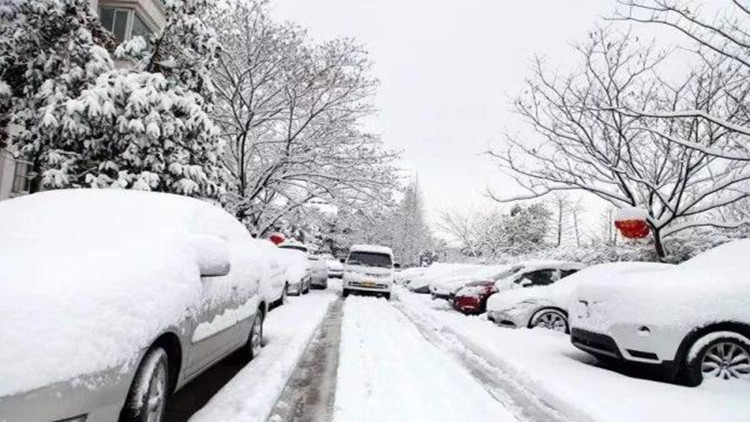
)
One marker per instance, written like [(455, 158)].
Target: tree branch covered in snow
[(586, 144), (291, 113)]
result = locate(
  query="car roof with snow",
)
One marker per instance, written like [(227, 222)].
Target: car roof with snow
[(372, 249), (544, 264)]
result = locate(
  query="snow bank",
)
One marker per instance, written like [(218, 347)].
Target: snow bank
[(252, 393), (549, 366)]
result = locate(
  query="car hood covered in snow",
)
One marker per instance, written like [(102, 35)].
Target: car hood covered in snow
[(710, 287), (89, 278)]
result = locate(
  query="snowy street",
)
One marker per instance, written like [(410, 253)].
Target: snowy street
[(413, 358)]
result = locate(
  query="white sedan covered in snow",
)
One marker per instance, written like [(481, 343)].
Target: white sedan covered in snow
[(693, 319), (111, 300), (548, 306)]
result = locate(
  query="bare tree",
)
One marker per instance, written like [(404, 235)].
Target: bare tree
[(465, 229), (587, 144), (722, 43), (290, 111)]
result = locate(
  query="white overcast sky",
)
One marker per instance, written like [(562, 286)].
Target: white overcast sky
[(448, 70)]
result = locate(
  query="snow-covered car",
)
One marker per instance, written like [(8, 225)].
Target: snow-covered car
[(335, 267), (548, 306), (112, 300), (276, 288), (693, 320), (369, 269), (297, 271), (318, 265), (446, 286), (472, 299), (420, 278)]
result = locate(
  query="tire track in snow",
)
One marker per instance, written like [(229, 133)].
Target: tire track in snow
[(504, 388), (388, 371), (309, 393)]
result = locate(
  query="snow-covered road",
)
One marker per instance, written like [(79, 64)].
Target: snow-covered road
[(388, 371)]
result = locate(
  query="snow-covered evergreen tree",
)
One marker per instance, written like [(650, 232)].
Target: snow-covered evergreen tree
[(50, 50), (410, 236), (149, 127)]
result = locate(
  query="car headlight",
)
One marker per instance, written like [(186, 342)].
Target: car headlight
[(521, 306)]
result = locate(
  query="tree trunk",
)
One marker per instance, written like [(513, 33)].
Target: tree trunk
[(659, 245)]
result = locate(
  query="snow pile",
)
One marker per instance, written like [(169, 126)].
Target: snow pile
[(252, 394), (554, 371), (630, 214), (89, 278)]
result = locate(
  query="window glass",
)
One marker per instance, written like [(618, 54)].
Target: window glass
[(540, 278), (107, 18), (121, 25), (21, 181), (566, 273), (369, 259), (139, 28)]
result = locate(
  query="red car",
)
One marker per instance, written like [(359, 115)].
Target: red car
[(472, 298)]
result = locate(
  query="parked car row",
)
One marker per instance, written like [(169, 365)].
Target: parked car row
[(132, 293), (691, 321)]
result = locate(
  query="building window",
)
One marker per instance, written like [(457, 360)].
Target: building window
[(21, 178), (124, 24)]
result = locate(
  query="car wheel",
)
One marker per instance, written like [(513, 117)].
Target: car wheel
[(255, 341), (147, 399), (726, 356), (551, 319), (387, 296)]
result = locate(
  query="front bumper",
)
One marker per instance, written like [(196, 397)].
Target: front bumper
[(604, 346), (507, 319), (99, 397), (368, 287)]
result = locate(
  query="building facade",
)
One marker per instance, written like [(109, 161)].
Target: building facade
[(125, 19)]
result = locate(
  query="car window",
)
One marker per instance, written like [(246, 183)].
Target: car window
[(369, 259), (566, 273), (539, 278)]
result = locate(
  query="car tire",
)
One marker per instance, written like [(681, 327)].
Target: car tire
[(387, 296), (725, 356), (255, 338), (552, 319), (148, 395)]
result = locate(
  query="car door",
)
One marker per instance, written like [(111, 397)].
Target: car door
[(228, 303)]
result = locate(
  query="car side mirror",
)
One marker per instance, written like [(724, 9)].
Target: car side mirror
[(211, 255), (525, 282), (397, 266), (342, 260)]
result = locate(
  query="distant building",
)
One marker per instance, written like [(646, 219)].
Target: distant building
[(125, 19)]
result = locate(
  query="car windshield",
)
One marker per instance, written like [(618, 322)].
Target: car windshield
[(369, 259)]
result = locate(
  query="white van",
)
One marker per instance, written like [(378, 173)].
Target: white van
[(369, 269)]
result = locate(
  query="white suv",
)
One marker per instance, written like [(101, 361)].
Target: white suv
[(369, 269), (692, 319)]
